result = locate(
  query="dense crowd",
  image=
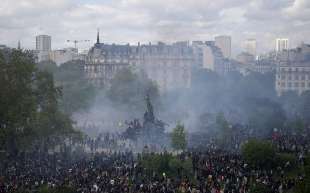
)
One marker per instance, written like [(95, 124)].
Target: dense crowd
[(214, 171)]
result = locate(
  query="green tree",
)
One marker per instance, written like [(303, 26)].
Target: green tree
[(28, 103), (178, 137), (166, 163), (283, 158), (224, 130), (290, 102), (259, 188), (304, 186), (221, 122), (77, 93), (48, 66), (259, 154), (305, 107), (264, 115), (17, 99), (129, 88), (298, 124)]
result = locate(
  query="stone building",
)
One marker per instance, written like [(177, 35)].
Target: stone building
[(169, 66), (224, 44), (293, 70), (43, 47), (103, 61), (63, 55), (208, 56)]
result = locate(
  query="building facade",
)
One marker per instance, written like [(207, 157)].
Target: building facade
[(293, 70), (209, 56), (43, 47), (224, 43), (250, 46), (245, 58), (281, 44), (63, 56), (104, 61), (43, 43), (169, 66)]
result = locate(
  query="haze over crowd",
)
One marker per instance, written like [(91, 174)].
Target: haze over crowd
[(154, 96)]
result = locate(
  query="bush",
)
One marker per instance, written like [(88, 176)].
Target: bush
[(259, 188), (304, 186), (168, 164), (61, 189), (178, 137), (283, 158), (259, 153)]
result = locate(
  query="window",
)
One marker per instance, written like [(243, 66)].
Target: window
[(283, 84), (303, 77), (303, 85), (296, 84), (283, 77), (296, 77)]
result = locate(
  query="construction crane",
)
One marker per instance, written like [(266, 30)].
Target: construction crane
[(77, 41)]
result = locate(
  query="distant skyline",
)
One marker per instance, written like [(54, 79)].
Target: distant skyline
[(130, 21)]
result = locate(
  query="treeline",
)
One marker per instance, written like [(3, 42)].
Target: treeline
[(249, 100), (77, 92), (30, 116), (263, 155), (127, 88)]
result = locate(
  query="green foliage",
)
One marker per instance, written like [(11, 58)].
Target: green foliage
[(181, 168), (61, 189), (283, 158), (304, 186), (297, 107), (221, 122), (77, 92), (171, 165), (307, 178), (178, 137), (305, 106), (298, 124), (17, 99), (264, 115), (258, 154), (28, 102), (259, 188), (129, 88), (48, 66), (223, 128)]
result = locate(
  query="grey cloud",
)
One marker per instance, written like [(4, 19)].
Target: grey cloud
[(140, 20)]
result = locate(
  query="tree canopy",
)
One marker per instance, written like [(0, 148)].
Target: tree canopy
[(259, 154), (129, 88), (178, 137), (28, 102), (77, 93)]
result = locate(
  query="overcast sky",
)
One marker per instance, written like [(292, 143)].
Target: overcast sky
[(131, 21)]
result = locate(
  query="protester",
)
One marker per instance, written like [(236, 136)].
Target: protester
[(216, 170)]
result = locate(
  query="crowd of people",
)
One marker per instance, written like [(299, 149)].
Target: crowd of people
[(214, 171)]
